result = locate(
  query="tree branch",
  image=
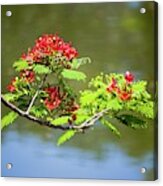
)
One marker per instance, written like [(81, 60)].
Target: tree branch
[(30, 117), (87, 124), (90, 122)]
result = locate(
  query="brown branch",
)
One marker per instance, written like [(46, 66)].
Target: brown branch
[(87, 124), (31, 117)]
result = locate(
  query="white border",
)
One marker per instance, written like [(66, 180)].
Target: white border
[(49, 182)]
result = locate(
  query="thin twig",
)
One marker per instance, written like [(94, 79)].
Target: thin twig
[(91, 121), (36, 94)]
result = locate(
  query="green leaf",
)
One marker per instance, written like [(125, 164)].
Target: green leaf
[(41, 69), (60, 121), (74, 75), (8, 119), (132, 121), (10, 97), (81, 118), (77, 62), (110, 127), (66, 136), (87, 97), (114, 104), (139, 86), (146, 109), (38, 111), (139, 90), (20, 65)]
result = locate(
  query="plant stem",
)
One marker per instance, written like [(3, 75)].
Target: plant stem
[(36, 94)]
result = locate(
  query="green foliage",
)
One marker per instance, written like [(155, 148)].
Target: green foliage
[(39, 111), (111, 127), (8, 119), (114, 104), (139, 90), (20, 65), (66, 136), (81, 118), (60, 121), (132, 121), (87, 97), (144, 108), (81, 115), (10, 97), (74, 75), (139, 86), (41, 69), (147, 109), (77, 62)]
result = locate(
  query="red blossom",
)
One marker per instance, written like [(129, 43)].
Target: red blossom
[(52, 104), (28, 75), (47, 45), (54, 98), (124, 95), (129, 77), (53, 92), (11, 87), (113, 86)]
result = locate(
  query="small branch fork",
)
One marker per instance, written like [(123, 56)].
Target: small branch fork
[(87, 124), (36, 94)]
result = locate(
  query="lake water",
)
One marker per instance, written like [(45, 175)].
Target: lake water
[(117, 38)]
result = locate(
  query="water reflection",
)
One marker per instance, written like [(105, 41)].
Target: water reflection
[(117, 38), (68, 161)]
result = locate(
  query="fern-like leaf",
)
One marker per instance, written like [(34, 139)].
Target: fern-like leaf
[(66, 136), (41, 69), (8, 119), (60, 121), (10, 97), (111, 127), (20, 65), (132, 121), (74, 75), (76, 63)]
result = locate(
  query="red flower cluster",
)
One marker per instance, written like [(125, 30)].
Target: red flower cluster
[(54, 99), (11, 87), (28, 75), (124, 94), (46, 45), (113, 86)]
